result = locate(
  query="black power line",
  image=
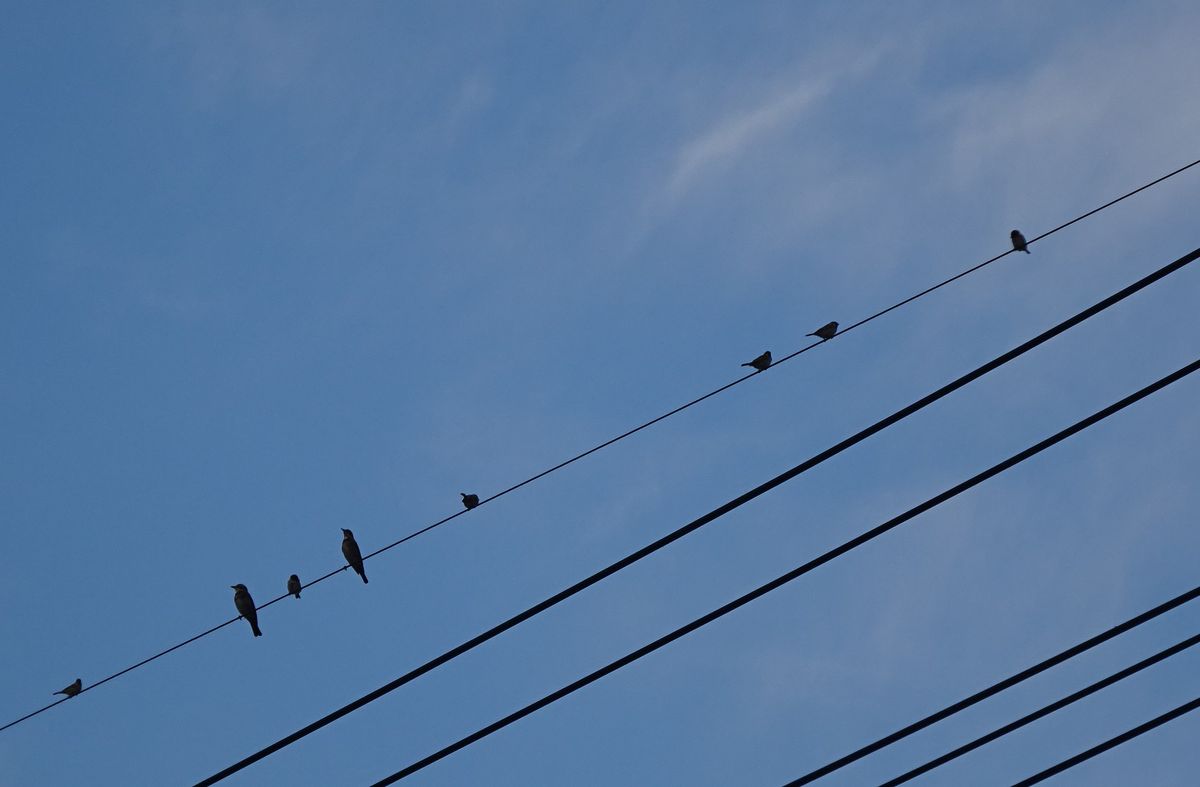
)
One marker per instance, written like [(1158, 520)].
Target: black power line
[(998, 687), (1111, 743), (1046, 234), (1059, 704), (619, 437), (695, 524), (795, 573)]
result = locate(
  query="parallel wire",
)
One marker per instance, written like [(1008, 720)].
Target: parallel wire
[(1030, 242), (795, 573), (703, 520), (998, 687), (1044, 711), (1111, 743), (618, 438)]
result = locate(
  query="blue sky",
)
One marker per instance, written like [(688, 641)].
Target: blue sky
[(274, 269)]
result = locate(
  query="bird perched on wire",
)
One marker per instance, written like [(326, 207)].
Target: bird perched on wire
[(469, 500), (1019, 241), (352, 554), (73, 689), (826, 331), (294, 585), (761, 362), (245, 607)]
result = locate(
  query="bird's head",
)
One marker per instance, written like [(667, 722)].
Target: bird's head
[(346, 533), (240, 588), (293, 578)]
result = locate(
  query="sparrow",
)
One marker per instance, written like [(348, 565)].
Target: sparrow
[(761, 362), (294, 585), (826, 331), (469, 500), (1019, 241), (245, 607), (73, 689), (352, 554)]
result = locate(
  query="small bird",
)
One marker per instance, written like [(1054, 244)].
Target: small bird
[(1019, 241), (294, 585), (73, 689), (761, 362), (469, 500), (245, 607), (352, 554), (826, 331)]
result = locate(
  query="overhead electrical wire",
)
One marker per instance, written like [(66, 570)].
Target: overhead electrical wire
[(1111, 743), (562, 595), (795, 573), (997, 687), (1044, 711), (703, 520), (618, 438)]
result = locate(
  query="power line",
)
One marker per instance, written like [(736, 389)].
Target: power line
[(1059, 704), (695, 524), (1030, 242), (1111, 743), (795, 573), (616, 439), (998, 687)]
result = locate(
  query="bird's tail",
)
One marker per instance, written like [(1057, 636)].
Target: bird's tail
[(810, 334), (747, 364), (363, 574), (255, 629), (1027, 251)]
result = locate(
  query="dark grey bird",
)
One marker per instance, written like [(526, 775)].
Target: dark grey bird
[(826, 331), (73, 689), (352, 554), (1019, 241), (294, 585), (469, 500), (761, 362), (245, 607)]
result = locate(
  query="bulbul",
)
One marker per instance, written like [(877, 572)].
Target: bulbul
[(826, 331), (294, 585), (245, 607), (1019, 241), (761, 362), (352, 554), (469, 500), (73, 689)]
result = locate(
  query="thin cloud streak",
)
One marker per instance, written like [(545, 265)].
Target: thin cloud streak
[(740, 130)]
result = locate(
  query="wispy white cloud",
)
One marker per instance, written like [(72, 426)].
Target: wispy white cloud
[(744, 128), (247, 49), (733, 134), (1104, 98)]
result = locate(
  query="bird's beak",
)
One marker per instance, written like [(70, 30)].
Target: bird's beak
[(233, 587)]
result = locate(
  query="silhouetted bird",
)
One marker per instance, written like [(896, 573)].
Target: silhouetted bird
[(761, 362), (1019, 241), (352, 554), (245, 607), (73, 689), (294, 585), (826, 331), (469, 500)]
